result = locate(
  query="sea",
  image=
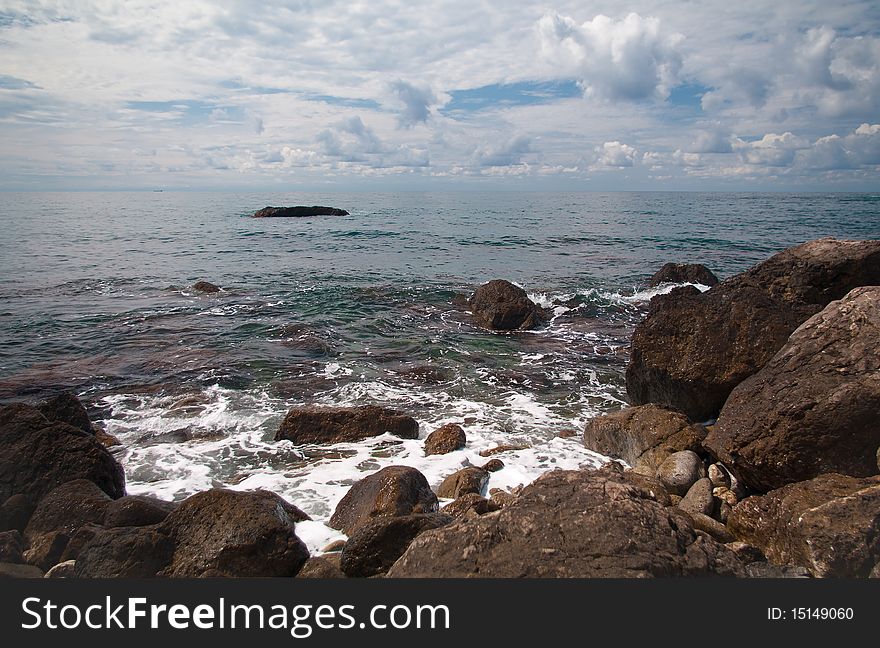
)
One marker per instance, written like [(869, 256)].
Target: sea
[(96, 298)]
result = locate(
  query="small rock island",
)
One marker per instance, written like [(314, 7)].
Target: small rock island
[(298, 212)]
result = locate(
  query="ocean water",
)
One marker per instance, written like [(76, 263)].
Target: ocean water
[(95, 298)]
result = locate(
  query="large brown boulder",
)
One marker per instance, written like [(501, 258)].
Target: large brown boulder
[(695, 273), (137, 510), (234, 533), (467, 480), (580, 524), (445, 439), (125, 552), (502, 306), (830, 524), (37, 455), (67, 408), (813, 408), (643, 436), (344, 424), (376, 545), (390, 492), (693, 348)]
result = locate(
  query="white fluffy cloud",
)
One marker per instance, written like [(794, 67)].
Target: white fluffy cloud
[(615, 154), (631, 58)]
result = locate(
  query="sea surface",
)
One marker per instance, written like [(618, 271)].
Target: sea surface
[(95, 298)]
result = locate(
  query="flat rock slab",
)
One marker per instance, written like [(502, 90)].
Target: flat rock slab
[(298, 212)]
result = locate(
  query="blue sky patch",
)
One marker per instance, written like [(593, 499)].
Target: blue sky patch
[(524, 93)]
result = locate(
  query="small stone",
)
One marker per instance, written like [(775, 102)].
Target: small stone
[(493, 465), (699, 498), (725, 495), (205, 287), (505, 447), (567, 434), (445, 439), (62, 570), (680, 470), (713, 527), (333, 547), (718, 476), (106, 439)]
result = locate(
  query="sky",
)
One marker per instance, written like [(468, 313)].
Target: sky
[(450, 94)]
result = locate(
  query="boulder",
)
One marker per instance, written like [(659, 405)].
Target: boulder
[(298, 212), (493, 465), (695, 273), (321, 567), (236, 533), (445, 439), (205, 287), (679, 471), (571, 524), (466, 480), (390, 492), (137, 510), (377, 544), (80, 538), (46, 550), (643, 436), (693, 348), (699, 498), (711, 526), (125, 552), (16, 570), (829, 525), (67, 508), (15, 512), (37, 455), (66, 408), (813, 408), (344, 424), (11, 547), (502, 306)]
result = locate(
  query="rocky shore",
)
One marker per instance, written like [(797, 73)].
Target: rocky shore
[(751, 449)]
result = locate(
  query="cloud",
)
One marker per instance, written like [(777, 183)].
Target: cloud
[(629, 59), (711, 141), (417, 102), (508, 153), (615, 154), (771, 150)]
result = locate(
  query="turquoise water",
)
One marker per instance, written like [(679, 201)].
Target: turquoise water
[(94, 297)]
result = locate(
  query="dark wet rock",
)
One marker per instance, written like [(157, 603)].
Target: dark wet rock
[(80, 538), (322, 567), (500, 498), (67, 508), (502, 306), (746, 553), (344, 424), (643, 436), (445, 439), (466, 480), (693, 349), (428, 374), (15, 570), (125, 552), (172, 436), (829, 525), (137, 510), (205, 287), (390, 492), (571, 524), (66, 569), (504, 447), (106, 439), (468, 504), (45, 550), (813, 408), (11, 547), (567, 434), (493, 465), (679, 471), (683, 273), (336, 545), (15, 512), (237, 533), (298, 212), (376, 545), (699, 498), (67, 408), (37, 455)]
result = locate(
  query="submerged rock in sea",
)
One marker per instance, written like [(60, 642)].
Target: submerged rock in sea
[(683, 273), (205, 287), (693, 348), (813, 408), (377, 544), (344, 424), (390, 492), (298, 212), (571, 524), (502, 306), (37, 455), (643, 436), (830, 524)]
